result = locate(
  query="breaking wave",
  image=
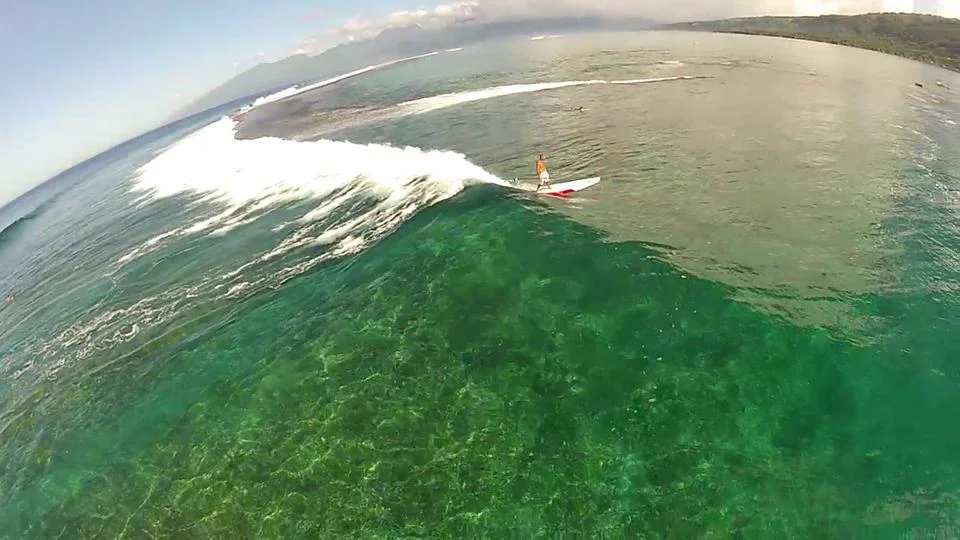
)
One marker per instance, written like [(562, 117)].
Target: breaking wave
[(297, 89), (334, 199), (247, 177)]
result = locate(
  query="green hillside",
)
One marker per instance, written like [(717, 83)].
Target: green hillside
[(927, 38)]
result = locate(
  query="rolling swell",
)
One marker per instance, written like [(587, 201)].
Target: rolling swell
[(12, 229)]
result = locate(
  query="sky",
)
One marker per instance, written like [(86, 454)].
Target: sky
[(80, 76), (83, 76)]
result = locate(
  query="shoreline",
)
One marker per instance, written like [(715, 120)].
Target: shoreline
[(929, 39)]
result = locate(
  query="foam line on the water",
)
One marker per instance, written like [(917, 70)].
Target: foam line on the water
[(363, 193), (296, 89), (213, 161), (433, 103)]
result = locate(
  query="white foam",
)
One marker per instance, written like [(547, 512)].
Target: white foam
[(296, 89), (433, 103), (246, 178), (276, 96), (146, 247)]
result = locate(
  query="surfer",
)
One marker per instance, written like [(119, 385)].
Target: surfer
[(543, 177)]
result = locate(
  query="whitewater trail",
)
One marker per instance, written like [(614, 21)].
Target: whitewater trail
[(443, 101), (247, 177)]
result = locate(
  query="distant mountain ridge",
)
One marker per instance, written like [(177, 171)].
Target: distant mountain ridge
[(927, 38), (390, 44)]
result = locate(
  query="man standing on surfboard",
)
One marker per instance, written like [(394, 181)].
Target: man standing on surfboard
[(543, 177)]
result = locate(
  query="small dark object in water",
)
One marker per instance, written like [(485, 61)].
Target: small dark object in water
[(918, 84)]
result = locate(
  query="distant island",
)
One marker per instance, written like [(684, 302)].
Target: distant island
[(927, 38)]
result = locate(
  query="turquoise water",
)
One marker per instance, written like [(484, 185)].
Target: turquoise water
[(748, 329)]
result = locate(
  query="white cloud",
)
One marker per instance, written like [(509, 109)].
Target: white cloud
[(655, 10), (362, 28), (365, 28)]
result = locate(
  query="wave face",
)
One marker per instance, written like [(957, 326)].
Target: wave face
[(14, 226), (433, 103), (299, 204)]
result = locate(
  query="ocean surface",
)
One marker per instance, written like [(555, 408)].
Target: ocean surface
[(328, 313)]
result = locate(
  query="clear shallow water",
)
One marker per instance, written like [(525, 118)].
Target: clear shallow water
[(749, 328)]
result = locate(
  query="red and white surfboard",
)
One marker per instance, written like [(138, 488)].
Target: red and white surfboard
[(564, 188)]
